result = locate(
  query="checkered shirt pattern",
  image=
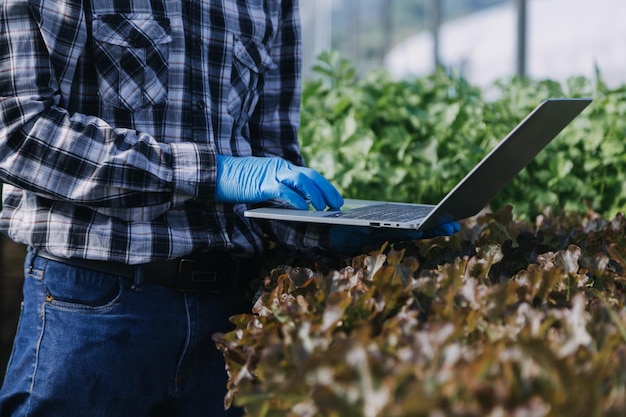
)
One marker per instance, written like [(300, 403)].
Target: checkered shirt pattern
[(112, 112)]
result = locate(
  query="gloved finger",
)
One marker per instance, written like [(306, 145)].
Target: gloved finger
[(445, 229), (286, 194), (301, 184), (332, 197), (313, 186), (299, 181)]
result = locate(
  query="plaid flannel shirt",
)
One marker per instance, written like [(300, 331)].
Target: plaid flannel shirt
[(112, 112)]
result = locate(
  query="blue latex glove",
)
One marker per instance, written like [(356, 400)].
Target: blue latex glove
[(348, 240), (251, 179)]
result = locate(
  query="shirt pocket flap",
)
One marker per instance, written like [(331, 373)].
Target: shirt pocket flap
[(253, 55), (132, 31)]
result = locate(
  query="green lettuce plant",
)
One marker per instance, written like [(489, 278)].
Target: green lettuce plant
[(413, 139)]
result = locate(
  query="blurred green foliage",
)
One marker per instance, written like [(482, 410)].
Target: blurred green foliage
[(412, 139)]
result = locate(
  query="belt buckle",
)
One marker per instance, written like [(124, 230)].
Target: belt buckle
[(198, 276)]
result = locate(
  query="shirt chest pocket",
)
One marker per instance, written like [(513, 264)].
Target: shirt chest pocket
[(251, 61), (131, 59)]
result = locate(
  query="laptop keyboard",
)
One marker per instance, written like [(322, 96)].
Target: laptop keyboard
[(382, 212)]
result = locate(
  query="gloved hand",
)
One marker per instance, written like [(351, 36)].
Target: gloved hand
[(251, 179), (348, 240)]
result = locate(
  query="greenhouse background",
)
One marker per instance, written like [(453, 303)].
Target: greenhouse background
[(485, 40)]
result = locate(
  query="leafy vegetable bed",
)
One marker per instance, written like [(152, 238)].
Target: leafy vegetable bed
[(517, 317), (413, 139), (506, 318)]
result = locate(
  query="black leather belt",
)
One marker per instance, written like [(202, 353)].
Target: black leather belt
[(223, 274)]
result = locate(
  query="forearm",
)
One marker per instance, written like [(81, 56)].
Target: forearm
[(76, 157)]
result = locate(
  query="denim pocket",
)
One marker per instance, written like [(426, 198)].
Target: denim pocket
[(250, 61), (131, 57), (76, 289)]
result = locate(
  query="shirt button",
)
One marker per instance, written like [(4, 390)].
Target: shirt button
[(198, 41), (201, 104)]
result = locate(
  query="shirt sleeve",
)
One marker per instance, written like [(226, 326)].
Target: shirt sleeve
[(77, 157)]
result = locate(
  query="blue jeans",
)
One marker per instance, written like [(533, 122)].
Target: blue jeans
[(89, 344)]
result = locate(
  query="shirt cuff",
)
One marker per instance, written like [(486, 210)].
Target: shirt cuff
[(195, 172)]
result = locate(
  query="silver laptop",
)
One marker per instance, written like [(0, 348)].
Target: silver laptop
[(469, 196)]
